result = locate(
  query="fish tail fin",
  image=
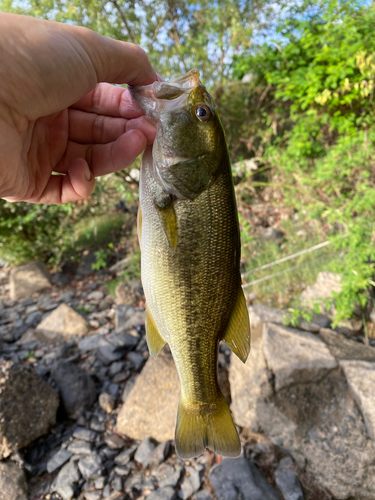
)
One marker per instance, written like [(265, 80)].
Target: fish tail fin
[(201, 428)]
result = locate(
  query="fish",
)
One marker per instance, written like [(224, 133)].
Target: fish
[(190, 256)]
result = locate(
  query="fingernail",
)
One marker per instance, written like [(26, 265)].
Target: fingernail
[(87, 173)]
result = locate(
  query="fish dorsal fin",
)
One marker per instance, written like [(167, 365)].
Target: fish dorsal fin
[(237, 334), (168, 219), (139, 225), (155, 341)]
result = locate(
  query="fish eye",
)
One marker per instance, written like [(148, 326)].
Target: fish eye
[(203, 113)]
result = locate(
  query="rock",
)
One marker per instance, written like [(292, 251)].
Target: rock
[(85, 434), (202, 495), (171, 480), (95, 295), (166, 493), (108, 353), (361, 379), (190, 484), (29, 278), (239, 478), (263, 314), (80, 448), (90, 466), (127, 295), (151, 406), (90, 343), (137, 359), (125, 456), (343, 348), (327, 283), (287, 481), (138, 318), (58, 460), (60, 279), (145, 451), (123, 313), (92, 495), (117, 483), (295, 356), (76, 387), (28, 407), (115, 442), (13, 484), (123, 340), (85, 266), (66, 478), (106, 402), (63, 321), (272, 234), (160, 453)]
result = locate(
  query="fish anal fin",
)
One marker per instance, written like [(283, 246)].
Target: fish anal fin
[(213, 428), (139, 224), (155, 341), (237, 334), (168, 219)]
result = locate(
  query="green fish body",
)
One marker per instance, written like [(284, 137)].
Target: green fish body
[(190, 255)]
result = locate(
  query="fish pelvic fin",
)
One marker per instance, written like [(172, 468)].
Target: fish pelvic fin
[(168, 219), (207, 426), (237, 334), (155, 341)]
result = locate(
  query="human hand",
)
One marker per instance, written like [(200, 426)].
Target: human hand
[(55, 116)]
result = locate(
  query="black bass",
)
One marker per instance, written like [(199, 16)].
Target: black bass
[(190, 256)]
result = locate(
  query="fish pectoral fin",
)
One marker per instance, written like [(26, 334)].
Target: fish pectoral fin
[(139, 224), (168, 219), (155, 341), (198, 429), (237, 334)]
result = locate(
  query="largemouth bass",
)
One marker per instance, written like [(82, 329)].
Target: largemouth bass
[(190, 255)]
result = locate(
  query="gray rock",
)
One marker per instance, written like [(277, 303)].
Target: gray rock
[(137, 359), (85, 434), (160, 453), (122, 470), (117, 483), (123, 340), (123, 313), (295, 356), (66, 297), (90, 466), (239, 478), (171, 480), (62, 321), (115, 442), (58, 460), (78, 447), (99, 483), (29, 278), (28, 407), (85, 266), (90, 343), (95, 295), (287, 481), (128, 388), (190, 484), (272, 234), (260, 313), (34, 318), (66, 478), (108, 353), (145, 451), (106, 402), (167, 493), (202, 495), (361, 379), (125, 456), (60, 279), (144, 415), (345, 349), (76, 387), (13, 484), (138, 318), (92, 495)]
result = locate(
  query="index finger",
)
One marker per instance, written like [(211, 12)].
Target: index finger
[(107, 99)]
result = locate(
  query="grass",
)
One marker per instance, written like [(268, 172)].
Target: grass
[(284, 289)]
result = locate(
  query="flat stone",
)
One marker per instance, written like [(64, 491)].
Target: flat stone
[(28, 407), (202, 495), (190, 484), (287, 480), (58, 460), (144, 451), (95, 295), (125, 456), (60, 279), (171, 480), (167, 493), (85, 434), (137, 359), (138, 318), (63, 321), (78, 447), (260, 313), (65, 480), (160, 453), (117, 483), (27, 279), (92, 495), (295, 356), (123, 313), (13, 484), (232, 478), (122, 470), (77, 389), (127, 295), (115, 442), (106, 402), (108, 353), (345, 349), (90, 343), (90, 466), (361, 379), (123, 340), (151, 406)]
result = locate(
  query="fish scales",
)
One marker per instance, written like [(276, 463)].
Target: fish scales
[(190, 252)]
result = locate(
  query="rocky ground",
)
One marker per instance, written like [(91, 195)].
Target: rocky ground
[(85, 414)]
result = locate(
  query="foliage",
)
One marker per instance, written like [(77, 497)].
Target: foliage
[(320, 134)]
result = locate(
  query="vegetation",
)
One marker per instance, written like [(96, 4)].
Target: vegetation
[(295, 87)]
